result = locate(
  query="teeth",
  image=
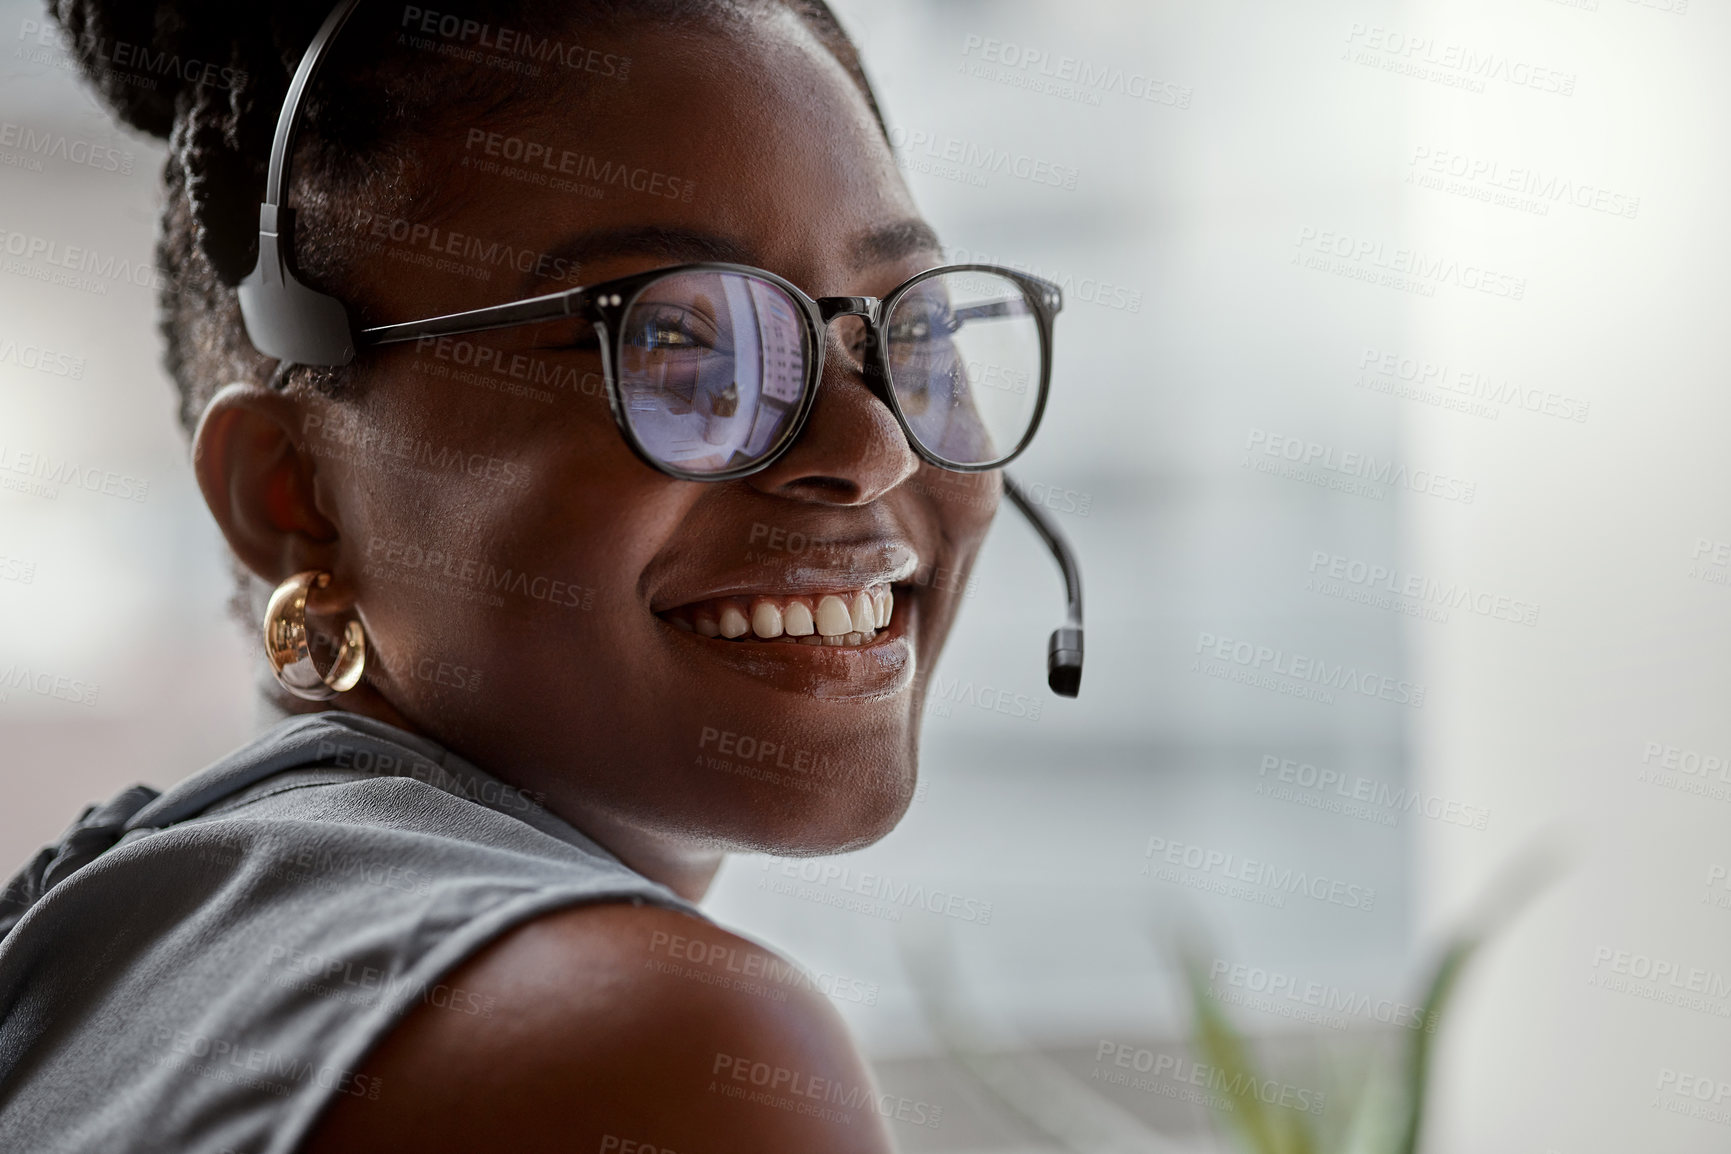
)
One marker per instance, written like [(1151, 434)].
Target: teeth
[(838, 619), (864, 613), (733, 622), (833, 619), (796, 619), (766, 619)]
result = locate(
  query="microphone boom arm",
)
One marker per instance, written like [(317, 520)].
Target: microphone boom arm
[(1064, 651)]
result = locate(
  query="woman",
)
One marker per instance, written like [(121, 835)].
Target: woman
[(542, 662)]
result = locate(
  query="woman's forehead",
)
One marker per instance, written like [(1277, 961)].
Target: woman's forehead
[(749, 146)]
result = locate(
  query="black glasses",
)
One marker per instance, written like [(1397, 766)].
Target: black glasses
[(712, 369)]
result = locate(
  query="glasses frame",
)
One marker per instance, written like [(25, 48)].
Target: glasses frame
[(606, 305)]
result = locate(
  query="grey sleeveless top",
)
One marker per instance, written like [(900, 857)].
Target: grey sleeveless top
[(205, 970)]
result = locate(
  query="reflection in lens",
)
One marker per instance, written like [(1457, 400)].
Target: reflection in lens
[(965, 361), (712, 368)]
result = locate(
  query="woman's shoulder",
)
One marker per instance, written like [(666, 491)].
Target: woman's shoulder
[(613, 1025)]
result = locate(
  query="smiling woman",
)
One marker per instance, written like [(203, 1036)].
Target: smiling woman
[(525, 275)]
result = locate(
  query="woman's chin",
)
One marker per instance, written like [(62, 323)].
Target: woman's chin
[(828, 823)]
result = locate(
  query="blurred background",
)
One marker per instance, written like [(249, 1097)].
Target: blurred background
[(1394, 348)]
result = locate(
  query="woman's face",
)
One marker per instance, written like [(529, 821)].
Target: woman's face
[(526, 581)]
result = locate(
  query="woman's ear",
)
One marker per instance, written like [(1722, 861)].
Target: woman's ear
[(258, 478)]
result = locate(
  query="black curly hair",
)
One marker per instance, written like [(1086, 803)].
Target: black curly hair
[(209, 76)]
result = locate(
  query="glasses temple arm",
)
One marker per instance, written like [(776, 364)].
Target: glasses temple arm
[(541, 308), (1064, 651)]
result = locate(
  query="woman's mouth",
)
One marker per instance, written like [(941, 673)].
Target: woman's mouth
[(845, 617)]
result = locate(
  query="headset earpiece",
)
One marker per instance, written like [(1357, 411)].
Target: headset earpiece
[(285, 318)]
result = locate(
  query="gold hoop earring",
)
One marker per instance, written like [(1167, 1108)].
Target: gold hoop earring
[(287, 648)]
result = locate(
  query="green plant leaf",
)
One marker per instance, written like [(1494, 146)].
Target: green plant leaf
[(1263, 1130)]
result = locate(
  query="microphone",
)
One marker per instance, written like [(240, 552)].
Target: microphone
[(1064, 650)]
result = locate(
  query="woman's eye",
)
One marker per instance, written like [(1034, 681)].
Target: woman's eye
[(662, 337), (670, 330), (923, 326)]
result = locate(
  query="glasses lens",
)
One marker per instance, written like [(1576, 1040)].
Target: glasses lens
[(966, 363), (712, 369)]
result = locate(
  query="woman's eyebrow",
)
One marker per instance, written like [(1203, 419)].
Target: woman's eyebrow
[(651, 240), (894, 242), (881, 245)]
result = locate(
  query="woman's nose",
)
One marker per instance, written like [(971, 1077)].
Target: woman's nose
[(852, 450)]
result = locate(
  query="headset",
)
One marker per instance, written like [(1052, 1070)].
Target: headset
[(295, 323)]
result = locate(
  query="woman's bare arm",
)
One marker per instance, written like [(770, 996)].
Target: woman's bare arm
[(603, 1026)]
